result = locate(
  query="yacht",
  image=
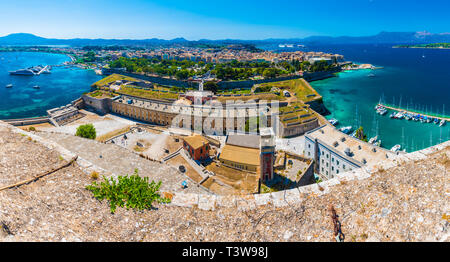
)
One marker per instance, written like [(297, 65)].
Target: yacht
[(9, 86), (396, 148), (346, 129), (23, 72), (373, 140), (442, 122), (36, 87)]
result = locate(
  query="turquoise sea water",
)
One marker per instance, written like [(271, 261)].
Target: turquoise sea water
[(419, 79), (59, 88)]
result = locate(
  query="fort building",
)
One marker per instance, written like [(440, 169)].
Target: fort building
[(197, 146), (335, 152)]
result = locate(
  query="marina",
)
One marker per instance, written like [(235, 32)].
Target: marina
[(401, 113)]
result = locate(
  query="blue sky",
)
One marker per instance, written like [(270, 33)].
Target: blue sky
[(214, 19)]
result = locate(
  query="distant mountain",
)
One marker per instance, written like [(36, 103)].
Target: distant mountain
[(381, 38)]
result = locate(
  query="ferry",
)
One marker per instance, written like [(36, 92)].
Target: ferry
[(9, 86), (334, 121), (442, 123), (346, 129), (396, 148)]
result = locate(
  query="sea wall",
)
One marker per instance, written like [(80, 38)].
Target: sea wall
[(314, 76), (247, 84)]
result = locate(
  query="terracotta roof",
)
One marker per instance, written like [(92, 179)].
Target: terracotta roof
[(196, 141), (242, 155)]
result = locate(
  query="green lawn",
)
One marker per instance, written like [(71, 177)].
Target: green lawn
[(149, 94), (304, 92), (112, 78)]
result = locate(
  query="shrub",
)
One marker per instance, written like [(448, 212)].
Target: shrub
[(128, 191), (32, 128), (94, 175), (86, 131)]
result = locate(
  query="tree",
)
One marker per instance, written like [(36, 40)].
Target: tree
[(360, 134), (211, 86), (86, 131), (182, 74)]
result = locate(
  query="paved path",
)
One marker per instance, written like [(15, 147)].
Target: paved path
[(294, 145), (121, 161)]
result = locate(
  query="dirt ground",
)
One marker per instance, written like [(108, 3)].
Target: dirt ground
[(241, 181)]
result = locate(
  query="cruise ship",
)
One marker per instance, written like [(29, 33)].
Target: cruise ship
[(23, 72)]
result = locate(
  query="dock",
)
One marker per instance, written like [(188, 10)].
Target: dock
[(42, 70), (414, 112)]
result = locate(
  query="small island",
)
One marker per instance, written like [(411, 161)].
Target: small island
[(432, 46)]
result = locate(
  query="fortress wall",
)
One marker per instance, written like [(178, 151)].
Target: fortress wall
[(101, 106)]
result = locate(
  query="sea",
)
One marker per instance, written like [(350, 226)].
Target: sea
[(412, 78), (59, 88)]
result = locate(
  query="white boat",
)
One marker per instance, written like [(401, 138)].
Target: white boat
[(9, 86), (346, 129), (378, 143), (442, 122), (334, 121), (373, 140), (396, 148)]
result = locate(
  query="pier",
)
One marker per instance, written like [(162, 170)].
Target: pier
[(413, 112), (42, 70)]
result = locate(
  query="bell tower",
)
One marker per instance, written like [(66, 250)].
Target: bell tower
[(267, 154)]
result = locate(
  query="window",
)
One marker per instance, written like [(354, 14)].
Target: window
[(337, 171), (328, 156), (332, 168), (343, 166), (337, 162), (309, 145), (332, 159)]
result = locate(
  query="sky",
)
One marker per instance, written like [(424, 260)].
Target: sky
[(215, 19)]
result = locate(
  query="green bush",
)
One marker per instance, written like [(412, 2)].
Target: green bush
[(86, 131), (128, 191)]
